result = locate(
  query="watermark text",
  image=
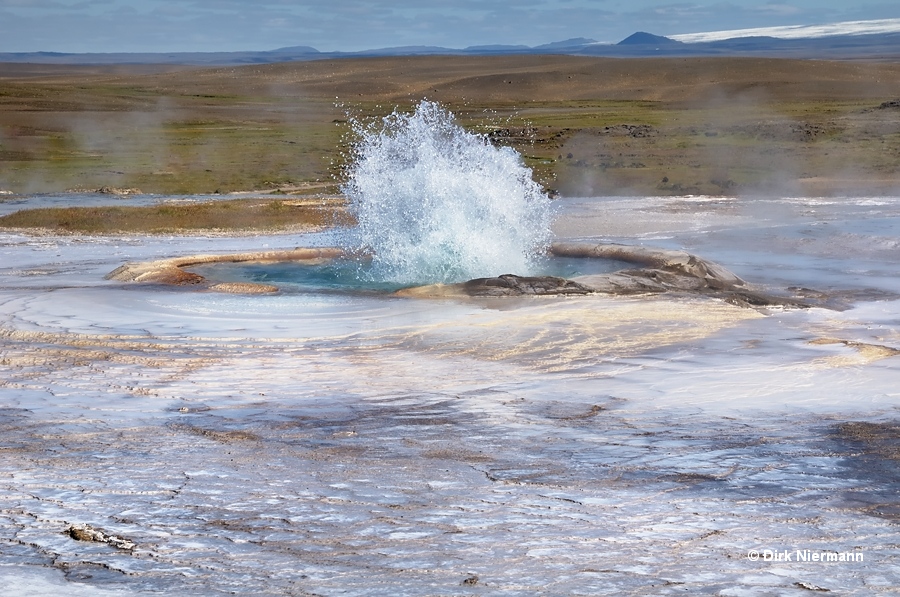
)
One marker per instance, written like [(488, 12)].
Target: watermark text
[(805, 555)]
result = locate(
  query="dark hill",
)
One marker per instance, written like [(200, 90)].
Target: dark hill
[(297, 50), (880, 46), (644, 38), (568, 43)]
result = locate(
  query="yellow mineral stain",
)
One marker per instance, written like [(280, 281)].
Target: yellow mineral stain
[(557, 334), (865, 353)]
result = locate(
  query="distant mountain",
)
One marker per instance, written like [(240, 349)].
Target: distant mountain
[(297, 50), (858, 46), (193, 58), (863, 46), (496, 48), (575, 42), (873, 46), (642, 38), (402, 51)]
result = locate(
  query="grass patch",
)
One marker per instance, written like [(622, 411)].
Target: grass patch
[(238, 214), (702, 122)]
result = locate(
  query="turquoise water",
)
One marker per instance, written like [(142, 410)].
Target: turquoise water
[(351, 276)]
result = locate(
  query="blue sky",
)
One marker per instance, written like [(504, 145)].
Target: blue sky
[(351, 25)]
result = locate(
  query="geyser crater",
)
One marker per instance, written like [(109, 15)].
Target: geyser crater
[(443, 212)]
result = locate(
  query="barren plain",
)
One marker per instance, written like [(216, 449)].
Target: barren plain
[(587, 126)]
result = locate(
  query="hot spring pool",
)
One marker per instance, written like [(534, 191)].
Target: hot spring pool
[(354, 276)]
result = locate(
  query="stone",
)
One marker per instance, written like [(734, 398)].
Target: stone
[(513, 285), (83, 532), (172, 271), (660, 259), (667, 270)]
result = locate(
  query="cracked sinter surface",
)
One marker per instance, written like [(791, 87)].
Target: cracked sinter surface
[(326, 444)]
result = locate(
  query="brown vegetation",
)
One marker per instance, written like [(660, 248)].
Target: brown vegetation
[(238, 214), (585, 125)]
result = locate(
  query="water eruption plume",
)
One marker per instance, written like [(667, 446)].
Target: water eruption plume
[(436, 203)]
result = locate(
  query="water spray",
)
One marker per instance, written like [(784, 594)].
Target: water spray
[(436, 203)]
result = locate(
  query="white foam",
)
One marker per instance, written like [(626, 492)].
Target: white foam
[(436, 203)]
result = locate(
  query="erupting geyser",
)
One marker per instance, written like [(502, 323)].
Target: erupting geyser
[(436, 203), (442, 209)]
